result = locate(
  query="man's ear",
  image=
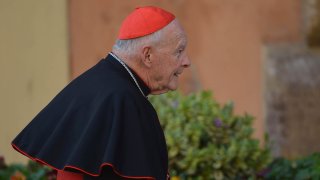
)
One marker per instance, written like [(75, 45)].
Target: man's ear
[(146, 56)]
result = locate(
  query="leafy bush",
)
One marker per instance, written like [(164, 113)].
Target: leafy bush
[(207, 141), (32, 171), (301, 169)]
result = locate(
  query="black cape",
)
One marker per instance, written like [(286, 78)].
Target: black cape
[(99, 120)]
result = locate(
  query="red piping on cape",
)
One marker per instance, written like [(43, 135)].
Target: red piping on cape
[(79, 169)]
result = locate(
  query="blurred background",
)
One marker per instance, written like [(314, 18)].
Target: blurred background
[(263, 55)]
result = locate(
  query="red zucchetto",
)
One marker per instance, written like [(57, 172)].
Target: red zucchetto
[(143, 21)]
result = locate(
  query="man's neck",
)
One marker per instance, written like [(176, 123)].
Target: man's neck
[(135, 65)]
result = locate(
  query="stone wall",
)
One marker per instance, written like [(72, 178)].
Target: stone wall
[(311, 22), (292, 97)]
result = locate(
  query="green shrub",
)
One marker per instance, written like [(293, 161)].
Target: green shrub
[(301, 169), (206, 140), (31, 171)]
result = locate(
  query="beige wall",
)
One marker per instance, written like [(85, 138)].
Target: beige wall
[(33, 63)]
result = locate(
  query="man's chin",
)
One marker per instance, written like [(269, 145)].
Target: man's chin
[(159, 92), (173, 87)]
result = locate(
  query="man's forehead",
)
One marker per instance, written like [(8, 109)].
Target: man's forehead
[(174, 35), (182, 39), (180, 33)]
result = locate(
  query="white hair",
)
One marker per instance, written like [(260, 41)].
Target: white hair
[(130, 47)]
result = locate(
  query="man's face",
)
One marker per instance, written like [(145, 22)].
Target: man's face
[(169, 60)]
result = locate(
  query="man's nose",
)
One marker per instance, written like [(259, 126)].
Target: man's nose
[(186, 62)]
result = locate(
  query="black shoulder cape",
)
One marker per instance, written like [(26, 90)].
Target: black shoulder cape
[(99, 120)]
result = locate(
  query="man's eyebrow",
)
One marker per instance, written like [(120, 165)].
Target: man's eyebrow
[(182, 45)]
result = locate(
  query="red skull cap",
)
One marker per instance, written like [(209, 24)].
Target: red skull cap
[(143, 21)]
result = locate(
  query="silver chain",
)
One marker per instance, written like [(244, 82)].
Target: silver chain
[(126, 67)]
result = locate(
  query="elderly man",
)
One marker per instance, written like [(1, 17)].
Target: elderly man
[(101, 125)]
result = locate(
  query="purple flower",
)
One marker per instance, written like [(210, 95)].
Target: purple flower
[(217, 122), (175, 104)]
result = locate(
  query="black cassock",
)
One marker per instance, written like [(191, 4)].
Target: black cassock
[(99, 124)]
